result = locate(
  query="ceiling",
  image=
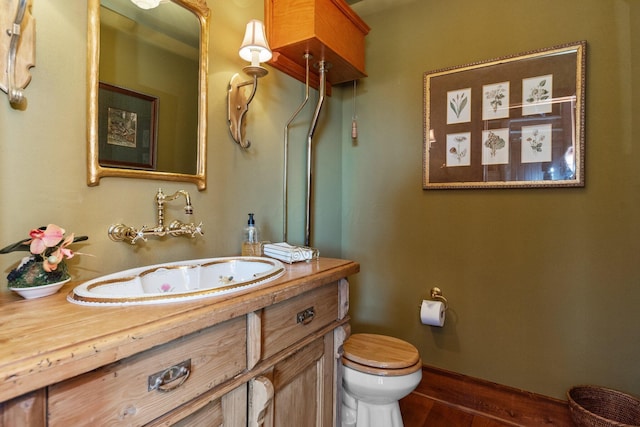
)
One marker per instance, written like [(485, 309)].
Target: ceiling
[(171, 19), (367, 7), (167, 17)]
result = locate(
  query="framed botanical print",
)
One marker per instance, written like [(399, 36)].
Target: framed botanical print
[(128, 126), (511, 122)]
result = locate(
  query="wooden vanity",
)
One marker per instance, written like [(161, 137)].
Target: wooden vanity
[(264, 356)]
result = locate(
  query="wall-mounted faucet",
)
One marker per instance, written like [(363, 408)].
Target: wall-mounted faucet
[(121, 232)]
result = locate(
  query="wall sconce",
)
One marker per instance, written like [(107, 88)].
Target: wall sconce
[(17, 50), (254, 49)]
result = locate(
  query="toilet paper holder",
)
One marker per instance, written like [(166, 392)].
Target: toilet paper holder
[(436, 294)]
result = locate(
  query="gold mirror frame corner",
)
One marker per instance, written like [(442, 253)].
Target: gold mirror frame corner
[(94, 170)]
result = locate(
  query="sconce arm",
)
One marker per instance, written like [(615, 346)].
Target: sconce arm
[(254, 84), (16, 96), (238, 105)]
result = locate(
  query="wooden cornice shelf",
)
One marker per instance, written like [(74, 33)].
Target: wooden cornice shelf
[(329, 30)]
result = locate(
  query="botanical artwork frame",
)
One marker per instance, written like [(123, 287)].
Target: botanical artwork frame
[(127, 122), (511, 122)]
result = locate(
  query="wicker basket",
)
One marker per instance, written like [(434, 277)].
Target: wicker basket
[(602, 407)]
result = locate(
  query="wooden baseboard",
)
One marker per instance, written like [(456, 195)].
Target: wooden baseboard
[(513, 406)]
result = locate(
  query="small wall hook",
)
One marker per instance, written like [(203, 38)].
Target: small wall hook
[(436, 294)]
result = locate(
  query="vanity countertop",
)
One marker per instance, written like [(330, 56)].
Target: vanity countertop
[(47, 340)]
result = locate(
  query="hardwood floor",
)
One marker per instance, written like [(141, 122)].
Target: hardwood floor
[(448, 399), (422, 411)]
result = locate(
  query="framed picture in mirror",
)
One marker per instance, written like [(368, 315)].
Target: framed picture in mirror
[(511, 122), (128, 126)]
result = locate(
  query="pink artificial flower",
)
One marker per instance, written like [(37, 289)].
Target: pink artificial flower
[(51, 262), (63, 247), (40, 240)]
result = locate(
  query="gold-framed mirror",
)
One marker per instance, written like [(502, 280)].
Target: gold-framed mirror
[(142, 123)]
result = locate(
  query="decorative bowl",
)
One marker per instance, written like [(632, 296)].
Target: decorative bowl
[(39, 291)]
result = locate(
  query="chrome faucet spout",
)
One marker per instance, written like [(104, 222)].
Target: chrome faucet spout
[(121, 232), (188, 208), (162, 198)]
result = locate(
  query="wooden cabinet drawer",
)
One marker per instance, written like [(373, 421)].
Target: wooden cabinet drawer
[(286, 323), (118, 393)]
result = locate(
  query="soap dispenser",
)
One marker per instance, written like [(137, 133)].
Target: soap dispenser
[(251, 244)]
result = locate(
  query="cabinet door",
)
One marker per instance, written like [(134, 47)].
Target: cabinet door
[(27, 410), (304, 387), (230, 410)]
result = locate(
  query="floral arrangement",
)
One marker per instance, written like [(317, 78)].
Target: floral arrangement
[(46, 264)]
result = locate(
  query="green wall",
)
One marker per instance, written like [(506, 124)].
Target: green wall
[(43, 171), (543, 284)]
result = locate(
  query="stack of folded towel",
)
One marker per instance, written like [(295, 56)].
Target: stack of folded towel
[(289, 253)]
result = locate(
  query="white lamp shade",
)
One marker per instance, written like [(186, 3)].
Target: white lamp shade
[(255, 48), (146, 4)]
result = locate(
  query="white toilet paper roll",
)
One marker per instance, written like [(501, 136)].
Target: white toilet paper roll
[(432, 313)]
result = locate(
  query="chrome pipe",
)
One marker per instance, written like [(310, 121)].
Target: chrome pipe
[(322, 66), (285, 179)]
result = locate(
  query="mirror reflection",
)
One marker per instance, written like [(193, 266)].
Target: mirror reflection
[(147, 90)]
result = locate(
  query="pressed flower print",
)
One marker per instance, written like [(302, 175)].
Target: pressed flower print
[(495, 101), (536, 143), (459, 106), (458, 152), (495, 147), (122, 127), (537, 94)]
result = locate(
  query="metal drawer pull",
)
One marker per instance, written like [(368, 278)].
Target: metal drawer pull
[(160, 380), (306, 316)]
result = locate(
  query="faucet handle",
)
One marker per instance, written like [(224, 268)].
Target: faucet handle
[(197, 230), (178, 228), (139, 235)]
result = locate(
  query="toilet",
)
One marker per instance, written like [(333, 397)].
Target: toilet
[(378, 371)]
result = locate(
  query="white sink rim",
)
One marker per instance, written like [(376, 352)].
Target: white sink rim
[(85, 294)]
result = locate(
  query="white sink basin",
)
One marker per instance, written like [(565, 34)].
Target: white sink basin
[(177, 281)]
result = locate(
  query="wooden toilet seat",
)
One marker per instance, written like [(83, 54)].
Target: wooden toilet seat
[(380, 355)]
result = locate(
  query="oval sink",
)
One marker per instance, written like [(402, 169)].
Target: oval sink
[(177, 281)]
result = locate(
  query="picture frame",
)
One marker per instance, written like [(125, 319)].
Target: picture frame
[(511, 122), (127, 122)]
